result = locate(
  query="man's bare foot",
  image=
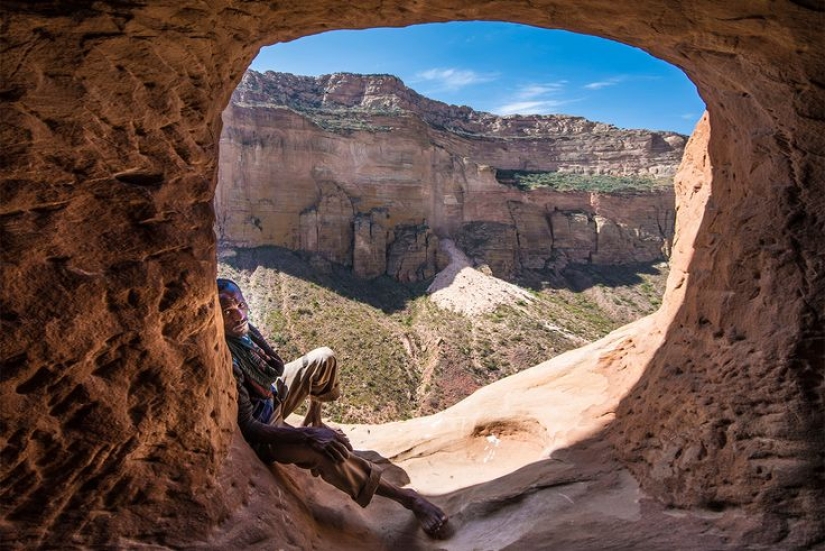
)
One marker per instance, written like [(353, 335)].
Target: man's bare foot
[(432, 519)]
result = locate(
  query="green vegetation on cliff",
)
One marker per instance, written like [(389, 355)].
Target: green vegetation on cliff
[(563, 181)]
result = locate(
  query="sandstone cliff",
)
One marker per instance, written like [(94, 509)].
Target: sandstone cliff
[(369, 174)]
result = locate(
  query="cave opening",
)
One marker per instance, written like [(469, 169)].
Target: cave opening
[(328, 150)]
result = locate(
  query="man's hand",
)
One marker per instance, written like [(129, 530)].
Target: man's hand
[(330, 442)]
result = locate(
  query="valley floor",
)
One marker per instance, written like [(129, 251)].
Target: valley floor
[(412, 350)]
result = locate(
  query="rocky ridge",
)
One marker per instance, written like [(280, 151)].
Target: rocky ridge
[(376, 94), (368, 173)]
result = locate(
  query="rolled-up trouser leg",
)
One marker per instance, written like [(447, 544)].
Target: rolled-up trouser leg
[(354, 476), (315, 375)]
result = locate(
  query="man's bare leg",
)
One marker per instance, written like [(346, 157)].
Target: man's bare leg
[(313, 416), (431, 518)]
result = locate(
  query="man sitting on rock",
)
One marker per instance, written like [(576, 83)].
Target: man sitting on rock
[(268, 391)]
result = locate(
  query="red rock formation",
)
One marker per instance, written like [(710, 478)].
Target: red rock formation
[(302, 158), (117, 412)]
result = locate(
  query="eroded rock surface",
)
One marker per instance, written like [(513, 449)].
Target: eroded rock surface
[(116, 397), (367, 173)]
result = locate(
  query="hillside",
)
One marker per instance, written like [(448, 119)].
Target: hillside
[(402, 354)]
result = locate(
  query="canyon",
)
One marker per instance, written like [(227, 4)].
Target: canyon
[(367, 173), (699, 427)]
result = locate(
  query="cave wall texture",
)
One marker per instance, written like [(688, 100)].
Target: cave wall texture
[(117, 407)]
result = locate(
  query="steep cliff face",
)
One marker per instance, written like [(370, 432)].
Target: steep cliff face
[(370, 174)]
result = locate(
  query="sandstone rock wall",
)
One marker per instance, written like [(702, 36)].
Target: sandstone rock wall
[(116, 399), (303, 158)]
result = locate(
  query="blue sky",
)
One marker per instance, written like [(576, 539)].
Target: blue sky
[(505, 69)]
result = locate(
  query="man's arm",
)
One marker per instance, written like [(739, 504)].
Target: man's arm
[(323, 439)]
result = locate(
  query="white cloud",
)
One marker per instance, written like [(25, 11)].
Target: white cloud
[(599, 84), (534, 98), (529, 107), (536, 90), (454, 79)]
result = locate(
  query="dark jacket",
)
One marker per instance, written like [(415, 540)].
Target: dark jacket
[(258, 434)]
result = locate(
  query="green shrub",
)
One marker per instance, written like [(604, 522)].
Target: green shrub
[(562, 181)]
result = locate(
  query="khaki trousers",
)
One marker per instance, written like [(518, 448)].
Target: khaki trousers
[(315, 375)]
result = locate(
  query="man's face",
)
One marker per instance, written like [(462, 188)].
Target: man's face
[(235, 312)]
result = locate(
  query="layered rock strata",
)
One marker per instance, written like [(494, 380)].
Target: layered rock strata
[(370, 174)]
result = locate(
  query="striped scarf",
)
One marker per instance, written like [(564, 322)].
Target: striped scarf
[(259, 363)]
